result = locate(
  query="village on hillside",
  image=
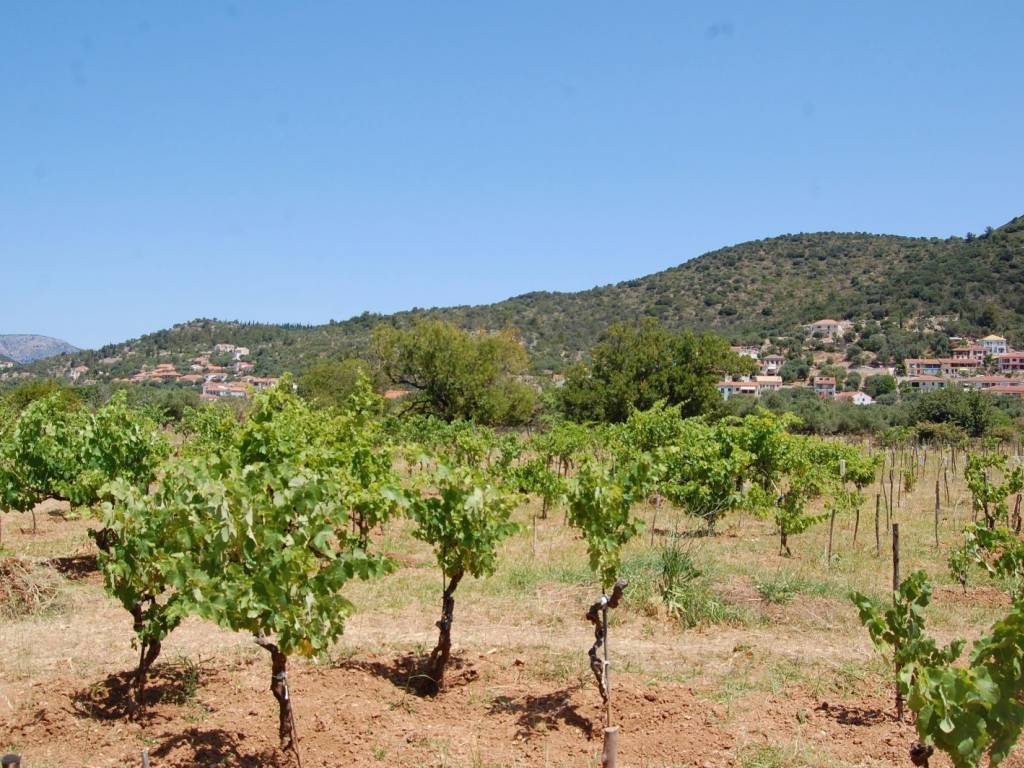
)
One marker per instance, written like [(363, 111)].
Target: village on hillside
[(985, 364), (231, 378)]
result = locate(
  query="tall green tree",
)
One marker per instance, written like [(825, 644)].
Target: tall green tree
[(330, 382), (457, 374), (634, 365)]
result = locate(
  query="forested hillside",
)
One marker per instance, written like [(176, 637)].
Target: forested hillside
[(974, 284)]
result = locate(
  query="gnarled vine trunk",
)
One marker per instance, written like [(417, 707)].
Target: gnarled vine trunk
[(442, 652), (784, 549), (149, 651), (279, 687), (595, 615)]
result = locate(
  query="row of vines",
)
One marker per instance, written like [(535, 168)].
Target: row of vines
[(258, 525)]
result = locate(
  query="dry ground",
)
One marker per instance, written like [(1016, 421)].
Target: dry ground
[(778, 673)]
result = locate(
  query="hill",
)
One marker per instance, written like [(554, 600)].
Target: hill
[(761, 288), (26, 348)]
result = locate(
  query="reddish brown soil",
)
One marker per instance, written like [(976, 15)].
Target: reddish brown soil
[(360, 714)]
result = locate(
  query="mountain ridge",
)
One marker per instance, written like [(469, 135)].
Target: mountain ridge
[(768, 287), (28, 347)]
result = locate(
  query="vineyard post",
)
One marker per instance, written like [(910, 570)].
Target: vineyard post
[(145, 758), (831, 529), (895, 594), (936, 514), (890, 510), (12, 760), (878, 535)]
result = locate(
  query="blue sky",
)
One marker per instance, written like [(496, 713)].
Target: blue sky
[(311, 160)]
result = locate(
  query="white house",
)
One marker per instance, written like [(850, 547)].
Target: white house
[(857, 398), (730, 388), (826, 327), (994, 345)]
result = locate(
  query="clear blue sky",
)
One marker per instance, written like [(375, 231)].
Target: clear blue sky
[(304, 161)]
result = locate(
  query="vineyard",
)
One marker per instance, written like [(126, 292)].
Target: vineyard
[(343, 586)]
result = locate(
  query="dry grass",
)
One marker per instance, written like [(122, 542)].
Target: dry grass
[(791, 628), (28, 589)]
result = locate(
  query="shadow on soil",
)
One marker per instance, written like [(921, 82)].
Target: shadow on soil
[(111, 698), (546, 712), (215, 746), (857, 716), (74, 567), (406, 672)]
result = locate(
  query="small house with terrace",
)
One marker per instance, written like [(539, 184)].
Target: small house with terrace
[(771, 364), (827, 328), (924, 383), (923, 366), (825, 387), (1010, 362), (969, 352), (213, 391), (1011, 390), (985, 382)]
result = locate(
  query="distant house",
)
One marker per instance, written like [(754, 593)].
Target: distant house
[(994, 345), (1010, 361), (395, 394), (857, 398), (752, 352), (925, 383), (767, 384), (771, 364), (827, 327), (969, 352), (165, 372), (1012, 390), (960, 365), (78, 371), (985, 382), (224, 348), (825, 387), (259, 382), (923, 366), (216, 391), (6, 364), (730, 388)]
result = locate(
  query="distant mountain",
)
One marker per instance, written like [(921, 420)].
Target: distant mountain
[(26, 348), (972, 284)]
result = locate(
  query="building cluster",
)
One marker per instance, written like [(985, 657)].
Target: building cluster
[(987, 364), (232, 379)]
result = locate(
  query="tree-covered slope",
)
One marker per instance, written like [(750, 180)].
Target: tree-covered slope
[(747, 291)]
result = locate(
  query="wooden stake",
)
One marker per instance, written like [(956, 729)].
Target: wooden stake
[(831, 529), (895, 592), (936, 514), (895, 557), (856, 523), (610, 753), (878, 534)]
